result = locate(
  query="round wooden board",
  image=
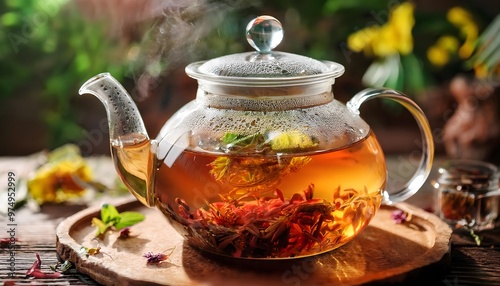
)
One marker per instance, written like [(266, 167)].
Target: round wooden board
[(384, 251)]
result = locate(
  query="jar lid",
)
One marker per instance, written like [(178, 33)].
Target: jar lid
[(264, 66), (469, 175)]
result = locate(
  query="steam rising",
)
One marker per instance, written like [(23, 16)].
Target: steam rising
[(178, 26)]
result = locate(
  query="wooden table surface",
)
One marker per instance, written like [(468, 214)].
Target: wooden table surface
[(35, 233)]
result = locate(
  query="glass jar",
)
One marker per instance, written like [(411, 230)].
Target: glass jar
[(468, 193)]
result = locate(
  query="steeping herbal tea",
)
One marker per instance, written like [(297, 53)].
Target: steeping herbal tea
[(265, 162), (269, 206)]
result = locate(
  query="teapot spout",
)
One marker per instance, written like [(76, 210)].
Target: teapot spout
[(131, 148), (123, 116)]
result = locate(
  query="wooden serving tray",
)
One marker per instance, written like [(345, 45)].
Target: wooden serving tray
[(383, 252)]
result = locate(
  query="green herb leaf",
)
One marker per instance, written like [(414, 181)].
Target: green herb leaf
[(110, 217), (61, 268), (238, 142), (229, 137), (108, 213), (101, 226), (477, 238), (128, 219)]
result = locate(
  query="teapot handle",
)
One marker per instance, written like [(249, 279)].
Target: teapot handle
[(424, 168)]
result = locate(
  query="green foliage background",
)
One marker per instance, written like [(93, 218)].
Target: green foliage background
[(47, 43), (48, 47)]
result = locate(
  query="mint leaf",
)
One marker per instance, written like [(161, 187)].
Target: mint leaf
[(230, 138), (110, 217), (108, 213), (242, 141), (125, 219), (101, 226)]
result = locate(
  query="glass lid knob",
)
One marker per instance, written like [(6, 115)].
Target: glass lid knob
[(264, 33)]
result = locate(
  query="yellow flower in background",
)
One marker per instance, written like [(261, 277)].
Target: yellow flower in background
[(60, 179), (480, 70), (439, 54), (462, 19), (448, 43), (362, 39), (391, 38), (401, 23)]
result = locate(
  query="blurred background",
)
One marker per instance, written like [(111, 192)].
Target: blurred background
[(443, 54)]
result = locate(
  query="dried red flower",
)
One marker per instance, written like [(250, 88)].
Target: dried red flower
[(277, 226), (4, 242), (36, 270), (125, 233), (8, 242), (399, 216), (155, 258)]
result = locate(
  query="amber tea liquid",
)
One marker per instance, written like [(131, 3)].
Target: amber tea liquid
[(131, 156), (269, 206)]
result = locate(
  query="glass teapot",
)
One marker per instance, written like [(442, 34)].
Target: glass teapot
[(264, 163)]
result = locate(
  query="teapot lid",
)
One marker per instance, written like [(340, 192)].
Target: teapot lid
[(265, 66)]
